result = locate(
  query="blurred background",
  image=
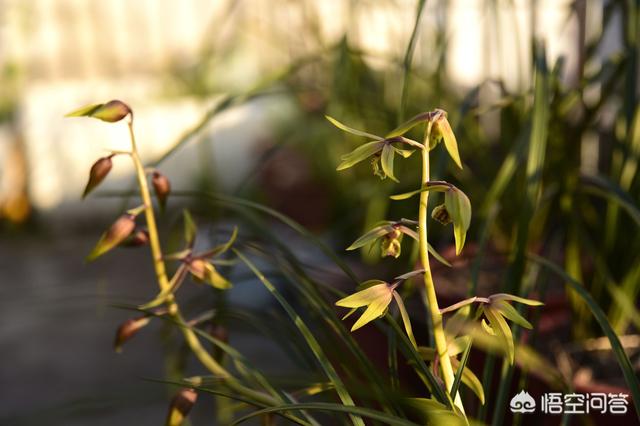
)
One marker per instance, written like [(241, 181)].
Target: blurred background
[(230, 98)]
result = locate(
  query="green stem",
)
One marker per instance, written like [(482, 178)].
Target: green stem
[(163, 282), (436, 317)]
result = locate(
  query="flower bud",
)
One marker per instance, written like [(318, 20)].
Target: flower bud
[(441, 214), (180, 406), (116, 234), (98, 172), (112, 111), (162, 187), (127, 330), (204, 271), (139, 238)]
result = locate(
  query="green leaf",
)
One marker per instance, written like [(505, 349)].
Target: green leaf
[(359, 154), (371, 236), (469, 378), (175, 282), (406, 320), (351, 130), (310, 339), (623, 360), (190, 229), (330, 407), (218, 250), (437, 413), (502, 330), (450, 143), (429, 186), (409, 124), (512, 314), (512, 298), (386, 160), (437, 255), (459, 207)]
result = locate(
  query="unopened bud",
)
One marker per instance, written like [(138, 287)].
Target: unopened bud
[(162, 187), (98, 172), (441, 214), (116, 234), (180, 406), (139, 238), (127, 330), (204, 271), (112, 111)]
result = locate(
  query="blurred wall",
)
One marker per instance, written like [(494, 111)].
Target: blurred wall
[(60, 54)]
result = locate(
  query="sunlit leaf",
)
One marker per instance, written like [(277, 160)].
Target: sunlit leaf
[(437, 413), (406, 320), (512, 298), (429, 186), (502, 330), (409, 124), (459, 208), (386, 160), (512, 314), (351, 130), (359, 154), (371, 236), (450, 143), (470, 380)]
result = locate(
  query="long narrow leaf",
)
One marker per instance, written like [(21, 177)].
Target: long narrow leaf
[(315, 347), (623, 360)]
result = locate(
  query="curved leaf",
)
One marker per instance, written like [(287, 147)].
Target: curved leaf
[(351, 130), (459, 207), (623, 360), (386, 160), (502, 330)]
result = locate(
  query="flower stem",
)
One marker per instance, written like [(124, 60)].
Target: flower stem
[(436, 317)]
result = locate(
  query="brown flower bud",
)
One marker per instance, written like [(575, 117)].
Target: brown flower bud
[(117, 233), (180, 406), (204, 271), (139, 238), (98, 172), (162, 187), (127, 330), (112, 111)]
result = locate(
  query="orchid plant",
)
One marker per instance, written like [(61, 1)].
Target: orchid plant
[(376, 295)]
